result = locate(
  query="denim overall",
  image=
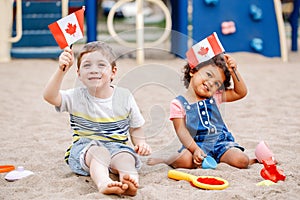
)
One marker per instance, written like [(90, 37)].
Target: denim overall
[(206, 126)]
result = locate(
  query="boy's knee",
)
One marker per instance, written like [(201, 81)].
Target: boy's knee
[(101, 154)]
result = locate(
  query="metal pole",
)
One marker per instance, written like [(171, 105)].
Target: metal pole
[(6, 14), (179, 35), (64, 8), (91, 20), (140, 32)]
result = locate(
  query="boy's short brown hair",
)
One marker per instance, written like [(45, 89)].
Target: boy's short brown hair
[(102, 47)]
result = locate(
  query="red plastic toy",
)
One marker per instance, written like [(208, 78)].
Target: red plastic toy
[(6, 168), (270, 171)]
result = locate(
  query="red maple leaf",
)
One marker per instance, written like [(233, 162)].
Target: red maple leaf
[(71, 29), (202, 51)]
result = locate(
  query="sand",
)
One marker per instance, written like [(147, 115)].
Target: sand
[(35, 136)]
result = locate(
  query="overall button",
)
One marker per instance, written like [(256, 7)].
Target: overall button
[(203, 112), (212, 130), (201, 103), (206, 122), (188, 107), (211, 101)]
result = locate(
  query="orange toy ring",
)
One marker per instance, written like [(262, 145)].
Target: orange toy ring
[(6, 168)]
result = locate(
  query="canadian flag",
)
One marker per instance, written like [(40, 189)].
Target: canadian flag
[(204, 50), (69, 29)]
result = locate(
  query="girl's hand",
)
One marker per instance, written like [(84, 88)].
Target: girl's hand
[(66, 59), (198, 157), (231, 63), (142, 149)]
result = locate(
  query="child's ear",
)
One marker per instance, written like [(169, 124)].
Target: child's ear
[(78, 72), (114, 70)]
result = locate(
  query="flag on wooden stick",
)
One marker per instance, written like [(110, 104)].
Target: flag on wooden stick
[(69, 29), (204, 50)]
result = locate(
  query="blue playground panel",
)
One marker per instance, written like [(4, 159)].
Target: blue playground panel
[(208, 16)]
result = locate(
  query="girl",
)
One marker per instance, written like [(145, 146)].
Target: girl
[(101, 116), (196, 117)]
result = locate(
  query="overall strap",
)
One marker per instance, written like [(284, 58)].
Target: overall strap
[(183, 101)]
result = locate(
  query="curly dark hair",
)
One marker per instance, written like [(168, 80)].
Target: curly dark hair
[(218, 61)]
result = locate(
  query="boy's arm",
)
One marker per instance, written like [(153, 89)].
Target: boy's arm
[(239, 89), (51, 91), (138, 139)]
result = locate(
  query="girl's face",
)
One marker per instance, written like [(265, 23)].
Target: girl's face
[(95, 70), (206, 81)]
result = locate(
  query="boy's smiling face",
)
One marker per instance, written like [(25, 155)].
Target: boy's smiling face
[(95, 70), (206, 81)]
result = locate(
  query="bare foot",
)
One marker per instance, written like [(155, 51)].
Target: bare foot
[(155, 161), (253, 161), (114, 187), (132, 185)]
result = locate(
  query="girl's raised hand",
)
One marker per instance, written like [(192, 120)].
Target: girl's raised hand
[(231, 63), (66, 59)]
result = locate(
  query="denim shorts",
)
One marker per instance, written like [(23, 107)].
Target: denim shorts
[(79, 148), (216, 145)]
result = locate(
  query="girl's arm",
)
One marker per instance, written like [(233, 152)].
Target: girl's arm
[(187, 140), (239, 89), (51, 91), (138, 139)]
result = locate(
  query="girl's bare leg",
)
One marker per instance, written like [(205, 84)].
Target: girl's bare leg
[(98, 160), (236, 158), (124, 164), (178, 160)]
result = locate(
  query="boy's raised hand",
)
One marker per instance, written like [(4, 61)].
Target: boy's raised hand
[(66, 59)]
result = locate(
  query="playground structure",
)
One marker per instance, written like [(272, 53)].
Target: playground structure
[(140, 42), (251, 25), (6, 24), (25, 32)]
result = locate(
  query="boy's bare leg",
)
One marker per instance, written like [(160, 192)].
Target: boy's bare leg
[(124, 164), (98, 160)]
